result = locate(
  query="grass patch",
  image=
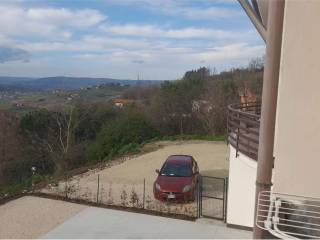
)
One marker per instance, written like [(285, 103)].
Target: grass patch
[(17, 187), (137, 148), (189, 137), (14, 188)]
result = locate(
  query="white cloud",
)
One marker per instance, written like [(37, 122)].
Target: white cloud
[(241, 52), (235, 54), (63, 17), (209, 13), (45, 22), (185, 8), (88, 44), (80, 42), (163, 63), (153, 31)]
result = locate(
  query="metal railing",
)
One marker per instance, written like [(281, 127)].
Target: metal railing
[(288, 216), (243, 128)]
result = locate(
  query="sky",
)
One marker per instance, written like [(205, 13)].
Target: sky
[(155, 39)]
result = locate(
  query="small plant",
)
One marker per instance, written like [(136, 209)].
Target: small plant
[(148, 202), (70, 190), (181, 208), (87, 194), (103, 194), (176, 210), (110, 200), (194, 211), (78, 188), (186, 211), (161, 207), (168, 207), (61, 190), (124, 197), (134, 198)]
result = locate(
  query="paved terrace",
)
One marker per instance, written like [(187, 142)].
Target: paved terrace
[(32, 217)]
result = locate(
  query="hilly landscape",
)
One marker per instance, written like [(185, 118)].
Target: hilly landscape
[(67, 83)]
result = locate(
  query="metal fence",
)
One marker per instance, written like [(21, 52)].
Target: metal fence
[(210, 201), (213, 197), (137, 195)]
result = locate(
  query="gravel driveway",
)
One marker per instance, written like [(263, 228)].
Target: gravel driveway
[(127, 177)]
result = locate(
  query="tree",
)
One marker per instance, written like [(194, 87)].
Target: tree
[(172, 107), (52, 132), (10, 144), (215, 100), (89, 118), (121, 136)]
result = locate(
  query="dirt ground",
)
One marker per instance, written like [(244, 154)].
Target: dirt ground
[(118, 183), (31, 217)]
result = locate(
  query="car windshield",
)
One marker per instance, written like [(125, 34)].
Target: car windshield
[(176, 170)]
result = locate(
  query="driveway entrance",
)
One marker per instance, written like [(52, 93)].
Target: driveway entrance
[(105, 223)]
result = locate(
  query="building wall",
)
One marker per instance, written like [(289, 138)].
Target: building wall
[(241, 189), (297, 140)]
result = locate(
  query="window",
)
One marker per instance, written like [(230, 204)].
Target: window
[(176, 170)]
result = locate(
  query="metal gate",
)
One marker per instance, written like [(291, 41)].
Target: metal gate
[(212, 197)]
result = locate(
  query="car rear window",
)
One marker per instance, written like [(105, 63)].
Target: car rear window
[(176, 170)]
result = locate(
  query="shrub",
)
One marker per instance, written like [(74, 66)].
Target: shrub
[(121, 136)]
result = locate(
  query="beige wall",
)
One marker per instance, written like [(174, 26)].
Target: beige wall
[(297, 143)]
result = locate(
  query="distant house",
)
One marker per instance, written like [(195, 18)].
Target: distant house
[(120, 102), (18, 104), (201, 106), (247, 96)]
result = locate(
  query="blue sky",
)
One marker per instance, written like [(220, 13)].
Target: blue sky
[(157, 39)]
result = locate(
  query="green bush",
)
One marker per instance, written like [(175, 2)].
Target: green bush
[(14, 188), (129, 148), (36, 122), (20, 171), (121, 136)]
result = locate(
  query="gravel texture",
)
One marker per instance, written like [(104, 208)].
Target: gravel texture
[(126, 177)]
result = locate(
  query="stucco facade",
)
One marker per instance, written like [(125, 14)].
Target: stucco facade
[(297, 134)]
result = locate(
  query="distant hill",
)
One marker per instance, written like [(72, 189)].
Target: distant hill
[(13, 80), (68, 83)]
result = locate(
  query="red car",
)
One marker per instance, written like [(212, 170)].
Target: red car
[(177, 179)]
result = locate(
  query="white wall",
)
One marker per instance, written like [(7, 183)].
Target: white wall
[(241, 191)]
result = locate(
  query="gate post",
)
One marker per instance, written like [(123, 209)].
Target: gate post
[(198, 197), (226, 199), (98, 188)]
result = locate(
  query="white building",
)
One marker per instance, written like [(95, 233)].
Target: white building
[(275, 149)]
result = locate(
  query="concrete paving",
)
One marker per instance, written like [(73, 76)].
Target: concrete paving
[(106, 223)]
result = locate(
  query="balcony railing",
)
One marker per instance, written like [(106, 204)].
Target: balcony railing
[(288, 216), (243, 128)]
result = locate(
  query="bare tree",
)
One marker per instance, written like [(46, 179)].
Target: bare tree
[(51, 132), (212, 107)]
